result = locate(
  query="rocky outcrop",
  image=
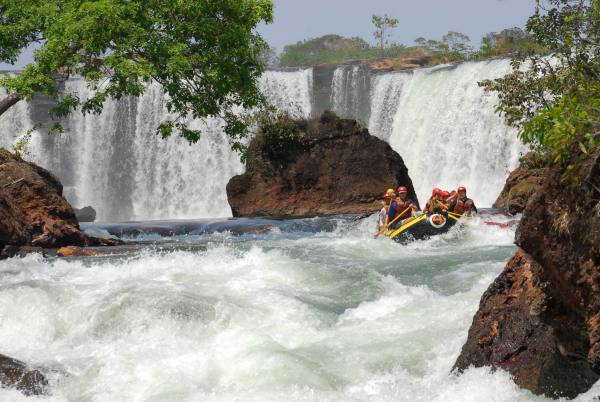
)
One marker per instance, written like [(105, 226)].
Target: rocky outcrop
[(85, 214), (16, 374), (33, 212), (540, 319), (334, 166), (521, 184)]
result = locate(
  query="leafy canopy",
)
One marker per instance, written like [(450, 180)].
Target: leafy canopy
[(205, 54), (555, 100)]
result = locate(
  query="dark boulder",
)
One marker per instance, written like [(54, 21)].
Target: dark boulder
[(334, 166), (16, 374), (540, 319), (85, 214)]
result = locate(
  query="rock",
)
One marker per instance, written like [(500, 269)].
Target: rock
[(85, 214), (540, 319), (16, 251), (521, 184), (337, 167), (14, 373), (32, 209), (33, 212)]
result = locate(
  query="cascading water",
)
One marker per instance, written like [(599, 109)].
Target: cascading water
[(115, 163), (448, 134), (438, 119), (350, 92)]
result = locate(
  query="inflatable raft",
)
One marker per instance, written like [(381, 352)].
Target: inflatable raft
[(424, 226)]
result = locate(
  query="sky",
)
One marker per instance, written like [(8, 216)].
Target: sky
[(296, 20)]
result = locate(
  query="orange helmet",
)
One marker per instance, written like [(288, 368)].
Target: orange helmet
[(402, 189), (389, 193)]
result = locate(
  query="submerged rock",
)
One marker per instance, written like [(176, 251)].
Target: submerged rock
[(16, 374), (85, 214), (520, 185), (540, 319), (333, 167)]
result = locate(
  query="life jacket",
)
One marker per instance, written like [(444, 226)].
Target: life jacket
[(404, 208), (459, 206), (433, 205)]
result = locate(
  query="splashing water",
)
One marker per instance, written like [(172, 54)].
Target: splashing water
[(299, 313)]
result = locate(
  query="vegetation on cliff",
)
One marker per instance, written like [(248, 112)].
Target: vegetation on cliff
[(206, 55), (452, 47), (555, 100)]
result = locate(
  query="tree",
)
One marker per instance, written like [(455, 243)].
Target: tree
[(457, 42), (555, 100), (383, 25), (206, 55)]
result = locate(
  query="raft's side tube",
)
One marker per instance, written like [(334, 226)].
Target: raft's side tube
[(407, 225)]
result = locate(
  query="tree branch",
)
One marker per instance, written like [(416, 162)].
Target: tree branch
[(9, 101)]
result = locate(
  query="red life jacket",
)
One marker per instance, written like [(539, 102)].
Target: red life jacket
[(460, 206), (404, 208)]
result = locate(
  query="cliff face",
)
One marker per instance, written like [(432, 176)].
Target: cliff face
[(521, 185), (337, 168), (540, 319)]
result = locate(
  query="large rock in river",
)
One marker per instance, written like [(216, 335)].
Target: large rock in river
[(33, 211), (322, 166), (540, 319)]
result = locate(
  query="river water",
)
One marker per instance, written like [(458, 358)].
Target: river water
[(310, 309)]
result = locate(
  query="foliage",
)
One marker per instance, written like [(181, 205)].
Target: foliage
[(204, 53), (325, 49), (555, 100), (279, 133), (509, 41), (383, 25), (19, 148)]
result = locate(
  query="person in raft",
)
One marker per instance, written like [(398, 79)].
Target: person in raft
[(405, 207), (462, 205), (381, 218), (436, 202)]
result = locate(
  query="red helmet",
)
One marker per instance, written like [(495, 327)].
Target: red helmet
[(436, 191), (462, 188), (445, 194), (402, 189)]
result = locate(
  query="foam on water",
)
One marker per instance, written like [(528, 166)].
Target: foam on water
[(333, 315)]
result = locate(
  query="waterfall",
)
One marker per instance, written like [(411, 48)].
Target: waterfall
[(115, 162), (448, 134), (438, 119), (350, 92)]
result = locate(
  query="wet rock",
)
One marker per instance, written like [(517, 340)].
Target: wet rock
[(16, 374), (33, 212), (540, 319), (16, 251), (520, 185), (85, 214), (336, 168), (32, 209)]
